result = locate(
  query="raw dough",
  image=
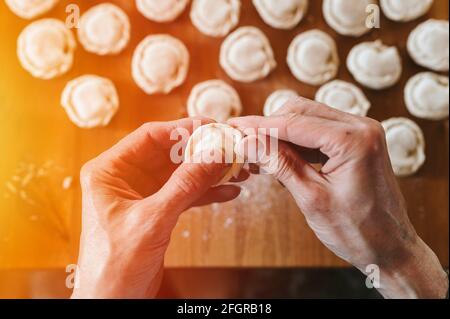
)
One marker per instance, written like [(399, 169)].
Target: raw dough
[(347, 17), (375, 65), (104, 29), (406, 145), (313, 57), (405, 10), (90, 101), (161, 10), (345, 97), (214, 99), (246, 55), (215, 18), (160, 64), (29, 9), (281, 14), (45, 48), (428, 45), (220, 138), (277, 100), (426, 96)]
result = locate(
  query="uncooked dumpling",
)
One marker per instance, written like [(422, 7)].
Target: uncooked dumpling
[(277, 100), (406, 145), (215, 18), (160, 64), (313, 57), (45, 48), (345, 97), (426, 96), (281, 14), (246, 55), (29, 9), (375, 65), (347, 17), (405, 10), (220, 142), (428, 45), (161, 10), (90, 101), (214, 99), (104, 29)]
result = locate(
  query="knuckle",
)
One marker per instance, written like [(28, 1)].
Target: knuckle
[(188, 182), (285, 165), (372, 134), (87, 172)]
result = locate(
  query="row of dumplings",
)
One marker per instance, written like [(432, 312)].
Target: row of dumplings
[(161, 62)]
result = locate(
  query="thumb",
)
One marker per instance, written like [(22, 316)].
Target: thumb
[(188, 184), (279, 159)]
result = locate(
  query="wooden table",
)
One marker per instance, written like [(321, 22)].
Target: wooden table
[(264, 228)]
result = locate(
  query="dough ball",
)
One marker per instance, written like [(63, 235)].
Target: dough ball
[(161, 10), (90, 101), (220, 141), (281, 14), (375, 65), (313, 57), (426, 96), (104, 29), (160, 64), (406, 145), (246, 55), (347, 17), (345, 97), (45, 48), (277, 100), (428, 45), (30, 9), (214, 99), (215, 18), (405, 10)]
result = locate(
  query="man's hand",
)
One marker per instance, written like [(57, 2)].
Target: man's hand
[(133, 195), (354, 204)]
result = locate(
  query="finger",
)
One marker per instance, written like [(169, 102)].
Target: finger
[(148, 145), (220, 194), (243, 176), (305, 131), (280, 160), (303, 106), (187, 185)]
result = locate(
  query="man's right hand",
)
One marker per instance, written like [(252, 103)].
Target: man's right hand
[(354, 204)]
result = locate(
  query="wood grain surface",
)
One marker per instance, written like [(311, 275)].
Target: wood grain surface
[(263, 229)]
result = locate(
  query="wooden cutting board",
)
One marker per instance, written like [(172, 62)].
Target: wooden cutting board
[(263, 229)]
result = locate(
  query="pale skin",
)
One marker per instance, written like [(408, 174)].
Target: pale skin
[(133, 196)]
